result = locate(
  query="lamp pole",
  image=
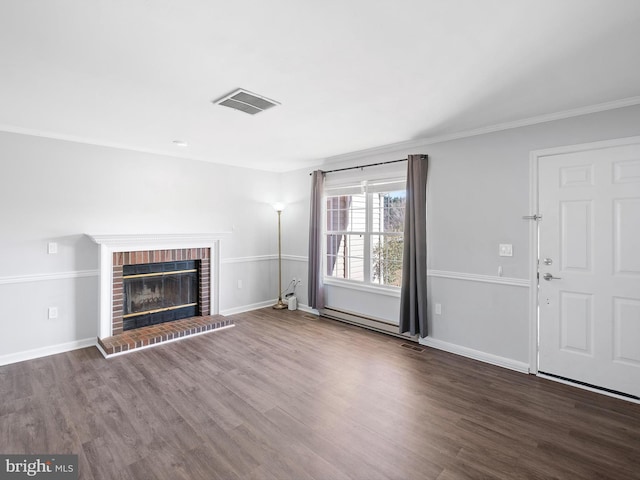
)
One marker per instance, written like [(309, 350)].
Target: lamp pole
[(280, 305)]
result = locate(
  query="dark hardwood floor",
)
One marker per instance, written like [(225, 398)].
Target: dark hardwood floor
[(284, 395)]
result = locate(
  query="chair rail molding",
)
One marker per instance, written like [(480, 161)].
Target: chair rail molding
[(474, 277), (45, 277)]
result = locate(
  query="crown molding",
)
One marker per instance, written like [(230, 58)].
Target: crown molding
[(98, 143), (356, 154), (421, 142)]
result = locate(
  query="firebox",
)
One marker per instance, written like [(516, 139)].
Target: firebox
[(159, 292)]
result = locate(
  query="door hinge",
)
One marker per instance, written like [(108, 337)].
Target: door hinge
[(535, 217)]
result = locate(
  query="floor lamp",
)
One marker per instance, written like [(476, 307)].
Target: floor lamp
[(280, 305)]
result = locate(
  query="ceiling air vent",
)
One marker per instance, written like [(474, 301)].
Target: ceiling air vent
[(246, 101)]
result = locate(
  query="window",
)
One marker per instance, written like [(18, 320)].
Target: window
[(364, 232)]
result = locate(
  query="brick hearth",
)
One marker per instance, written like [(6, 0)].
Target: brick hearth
[(117, 250), (163, 332), (124, 341)]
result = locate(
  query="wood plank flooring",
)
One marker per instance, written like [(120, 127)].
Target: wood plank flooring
[(285, 395)]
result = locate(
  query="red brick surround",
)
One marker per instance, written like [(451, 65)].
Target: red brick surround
[(155, 256)]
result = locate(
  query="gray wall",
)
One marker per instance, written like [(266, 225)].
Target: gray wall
[(58, 191), (53, 190), (477, 193)]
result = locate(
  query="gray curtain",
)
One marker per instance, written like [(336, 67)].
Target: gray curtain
[(315, 284), (413, 293)]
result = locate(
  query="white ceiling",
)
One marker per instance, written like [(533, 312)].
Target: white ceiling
[(350, 74)]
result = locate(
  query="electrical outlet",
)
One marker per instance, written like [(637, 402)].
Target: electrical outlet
[(438, 309), (52, 248), (53, 312)]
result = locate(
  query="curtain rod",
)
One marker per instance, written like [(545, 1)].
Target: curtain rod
[(364, 166)]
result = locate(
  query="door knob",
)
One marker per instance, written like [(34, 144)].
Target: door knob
[(548, 276)]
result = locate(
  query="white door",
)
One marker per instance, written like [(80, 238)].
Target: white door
[(589, 242)]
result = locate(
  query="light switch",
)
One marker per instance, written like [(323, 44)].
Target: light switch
[(506, 250), (52, 248)]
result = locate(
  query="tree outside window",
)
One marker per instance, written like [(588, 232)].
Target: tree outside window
[(389, 243)]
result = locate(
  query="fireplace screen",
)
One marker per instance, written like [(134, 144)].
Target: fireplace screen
[(159, 292)]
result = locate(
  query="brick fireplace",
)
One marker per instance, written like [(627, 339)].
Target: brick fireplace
[(119, 253), (120, 259)]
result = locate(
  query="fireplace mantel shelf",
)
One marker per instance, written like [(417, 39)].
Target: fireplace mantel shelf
[(133, 242)]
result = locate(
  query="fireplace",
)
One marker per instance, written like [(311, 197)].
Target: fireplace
[(157, 286), (159, 292), (135, 269)]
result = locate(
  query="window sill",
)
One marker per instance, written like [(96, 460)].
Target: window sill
[(363, 287)]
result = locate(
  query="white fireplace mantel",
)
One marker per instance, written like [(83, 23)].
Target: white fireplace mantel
[(110, 244), (137, 242)]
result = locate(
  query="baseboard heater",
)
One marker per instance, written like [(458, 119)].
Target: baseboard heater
[(360, 320)]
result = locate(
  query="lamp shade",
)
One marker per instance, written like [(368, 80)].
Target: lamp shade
[(278, 207)]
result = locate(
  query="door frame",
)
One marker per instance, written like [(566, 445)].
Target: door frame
[(534, 160)]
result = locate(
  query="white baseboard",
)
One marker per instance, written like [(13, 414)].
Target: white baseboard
[(46, 351), (247, 308), (475, 354), (259, 305), (308, 309)]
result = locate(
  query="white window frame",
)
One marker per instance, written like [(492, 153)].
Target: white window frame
[(368, 186)]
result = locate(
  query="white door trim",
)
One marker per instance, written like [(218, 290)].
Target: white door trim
[(534, 158)]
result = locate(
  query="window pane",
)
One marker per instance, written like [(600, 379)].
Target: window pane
[(355, 269), (387, 259), (388, 211), (334, 244), (374, 220), (358, 218), (337, 212), (331, 266), (346, 213), (345, 256)]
